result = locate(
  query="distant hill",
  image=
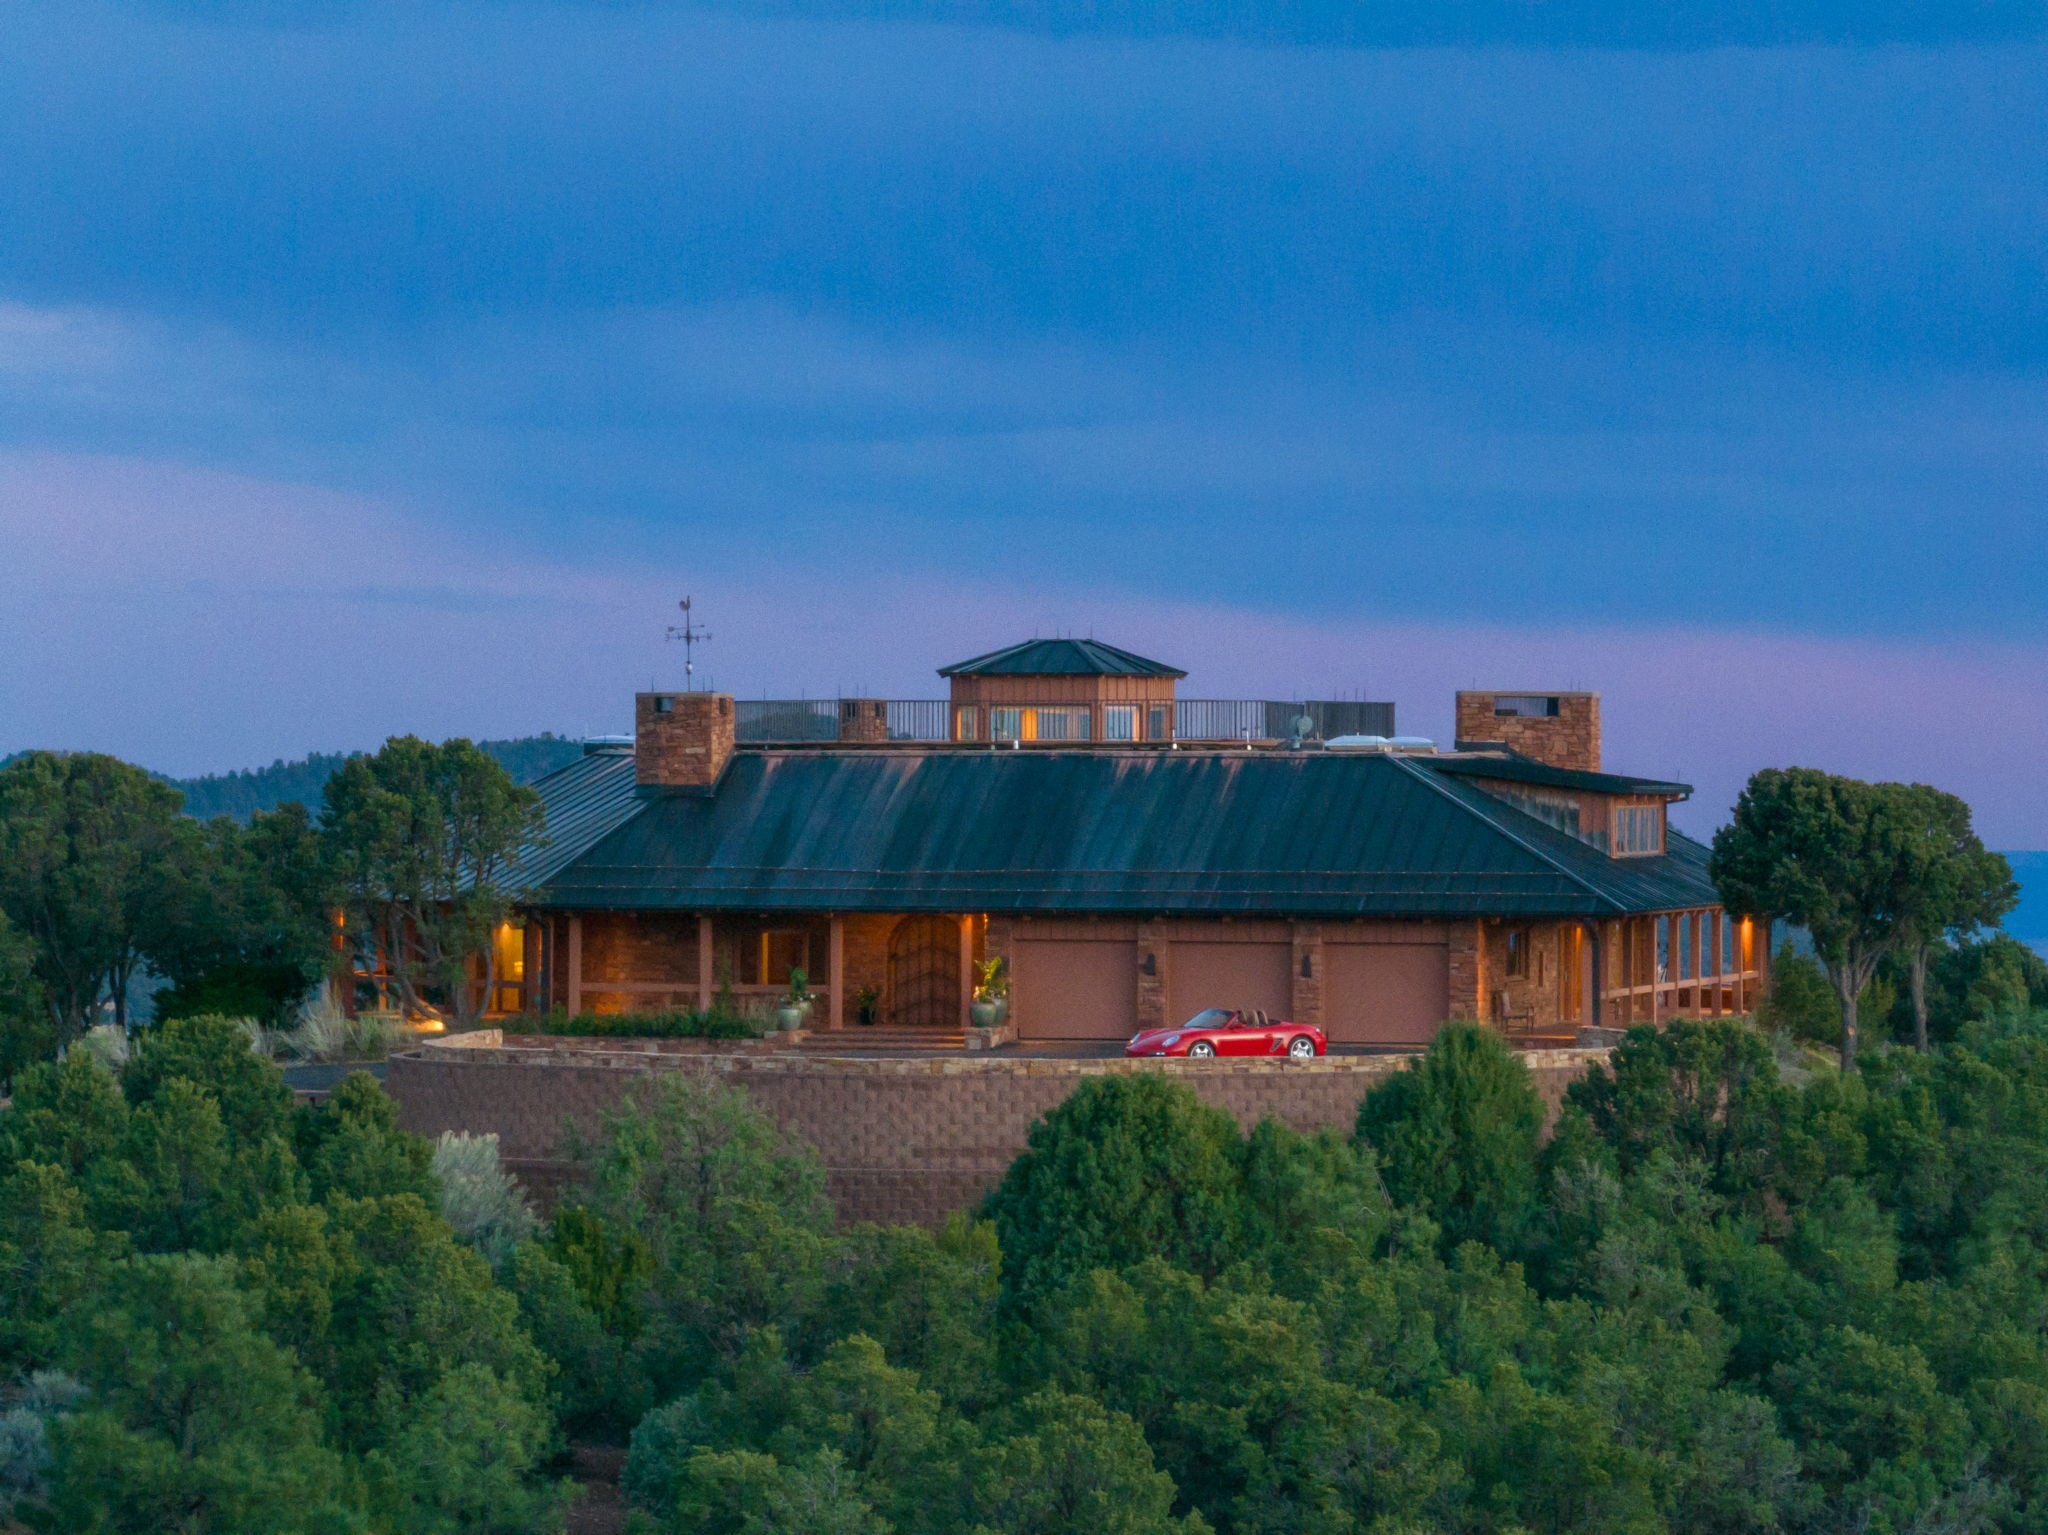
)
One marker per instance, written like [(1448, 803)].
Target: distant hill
[(244, 792)]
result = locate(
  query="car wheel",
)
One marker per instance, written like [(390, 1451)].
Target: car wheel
[(1302, 1048), (1201, 1049)]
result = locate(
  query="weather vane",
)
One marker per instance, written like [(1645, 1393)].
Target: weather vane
[(691, 636)]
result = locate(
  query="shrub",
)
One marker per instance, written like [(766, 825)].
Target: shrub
[(1801, 1002), (323, 1032), (479, 1198), (673, 1023)]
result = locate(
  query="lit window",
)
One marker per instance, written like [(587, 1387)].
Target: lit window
[(1060, 725), (1524, 706), (964, 730), (1120, 722)]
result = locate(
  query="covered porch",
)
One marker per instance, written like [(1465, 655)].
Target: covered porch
[(911, 970)]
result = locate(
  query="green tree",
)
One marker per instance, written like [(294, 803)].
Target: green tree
[(929, 1299), (730, 1212), (463, 1459), (1706, 1090), (1979, 978), (50, 1259), (27, 1034), (351, 1146), (195, 1422), (213, 1054), (68, 1113), (420, 839), (1947, 885), (410, 1303), (1457, 1133), (1128, 1167), (1824, 852), (86, 843), (246, 924), (1059, 1462)]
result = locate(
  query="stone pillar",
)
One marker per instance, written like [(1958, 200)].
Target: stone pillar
[(575, 966), (1154, 953), (681, 740), (1308, 973), (835, 974), (1468, 969)]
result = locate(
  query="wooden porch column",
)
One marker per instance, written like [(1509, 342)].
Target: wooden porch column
[(966, 969), (575, 965), (1657, 980), (835, 974), (704, 991)]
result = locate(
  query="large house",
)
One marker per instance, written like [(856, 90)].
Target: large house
[(1134, 857)]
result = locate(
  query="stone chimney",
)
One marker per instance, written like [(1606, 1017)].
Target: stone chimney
[(681, 740), (1561, 729)]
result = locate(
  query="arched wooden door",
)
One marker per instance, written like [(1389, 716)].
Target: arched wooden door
[(924, 973)]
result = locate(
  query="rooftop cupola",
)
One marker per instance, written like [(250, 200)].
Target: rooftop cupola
[(1062, 690)]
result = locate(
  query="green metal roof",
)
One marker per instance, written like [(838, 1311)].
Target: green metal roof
[(1060, 658), (1513, 767), (584, 800), (1102, 831)]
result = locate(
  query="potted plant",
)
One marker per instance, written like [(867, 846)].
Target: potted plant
[(993, 986), (867, 1004), (991, 991), (791, 1014)]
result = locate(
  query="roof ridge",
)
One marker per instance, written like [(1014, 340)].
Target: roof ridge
[(1416, 771)]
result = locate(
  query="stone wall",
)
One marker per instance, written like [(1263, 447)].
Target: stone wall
[(902, 1140)]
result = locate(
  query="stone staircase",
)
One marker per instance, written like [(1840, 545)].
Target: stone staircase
[(880, 1037)]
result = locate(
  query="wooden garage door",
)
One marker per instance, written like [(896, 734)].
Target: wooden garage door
[(1385, 993), (1237, 975), (1074, 988)]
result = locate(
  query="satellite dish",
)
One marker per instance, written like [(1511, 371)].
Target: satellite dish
[(1304, 727)]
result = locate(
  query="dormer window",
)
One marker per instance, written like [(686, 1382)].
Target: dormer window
[(1638, 829)]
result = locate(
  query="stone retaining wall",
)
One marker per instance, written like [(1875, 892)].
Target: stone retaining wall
[(902, 1140)]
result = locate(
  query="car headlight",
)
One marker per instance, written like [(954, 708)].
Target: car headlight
[(1169, 1042)]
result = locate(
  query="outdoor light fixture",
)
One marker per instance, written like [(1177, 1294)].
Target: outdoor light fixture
[(1149, 965)]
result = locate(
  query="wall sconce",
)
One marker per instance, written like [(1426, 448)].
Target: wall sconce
[(1308, 969), (1149, 965)]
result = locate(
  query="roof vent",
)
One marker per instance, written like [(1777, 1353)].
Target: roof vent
[(1380, 744)]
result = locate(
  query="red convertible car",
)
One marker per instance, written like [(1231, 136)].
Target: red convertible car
[(1222, 1031)]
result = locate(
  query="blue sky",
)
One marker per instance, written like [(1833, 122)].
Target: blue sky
[(376, 368)]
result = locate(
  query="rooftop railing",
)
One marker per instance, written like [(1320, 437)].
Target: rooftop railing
[(933, 720)]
